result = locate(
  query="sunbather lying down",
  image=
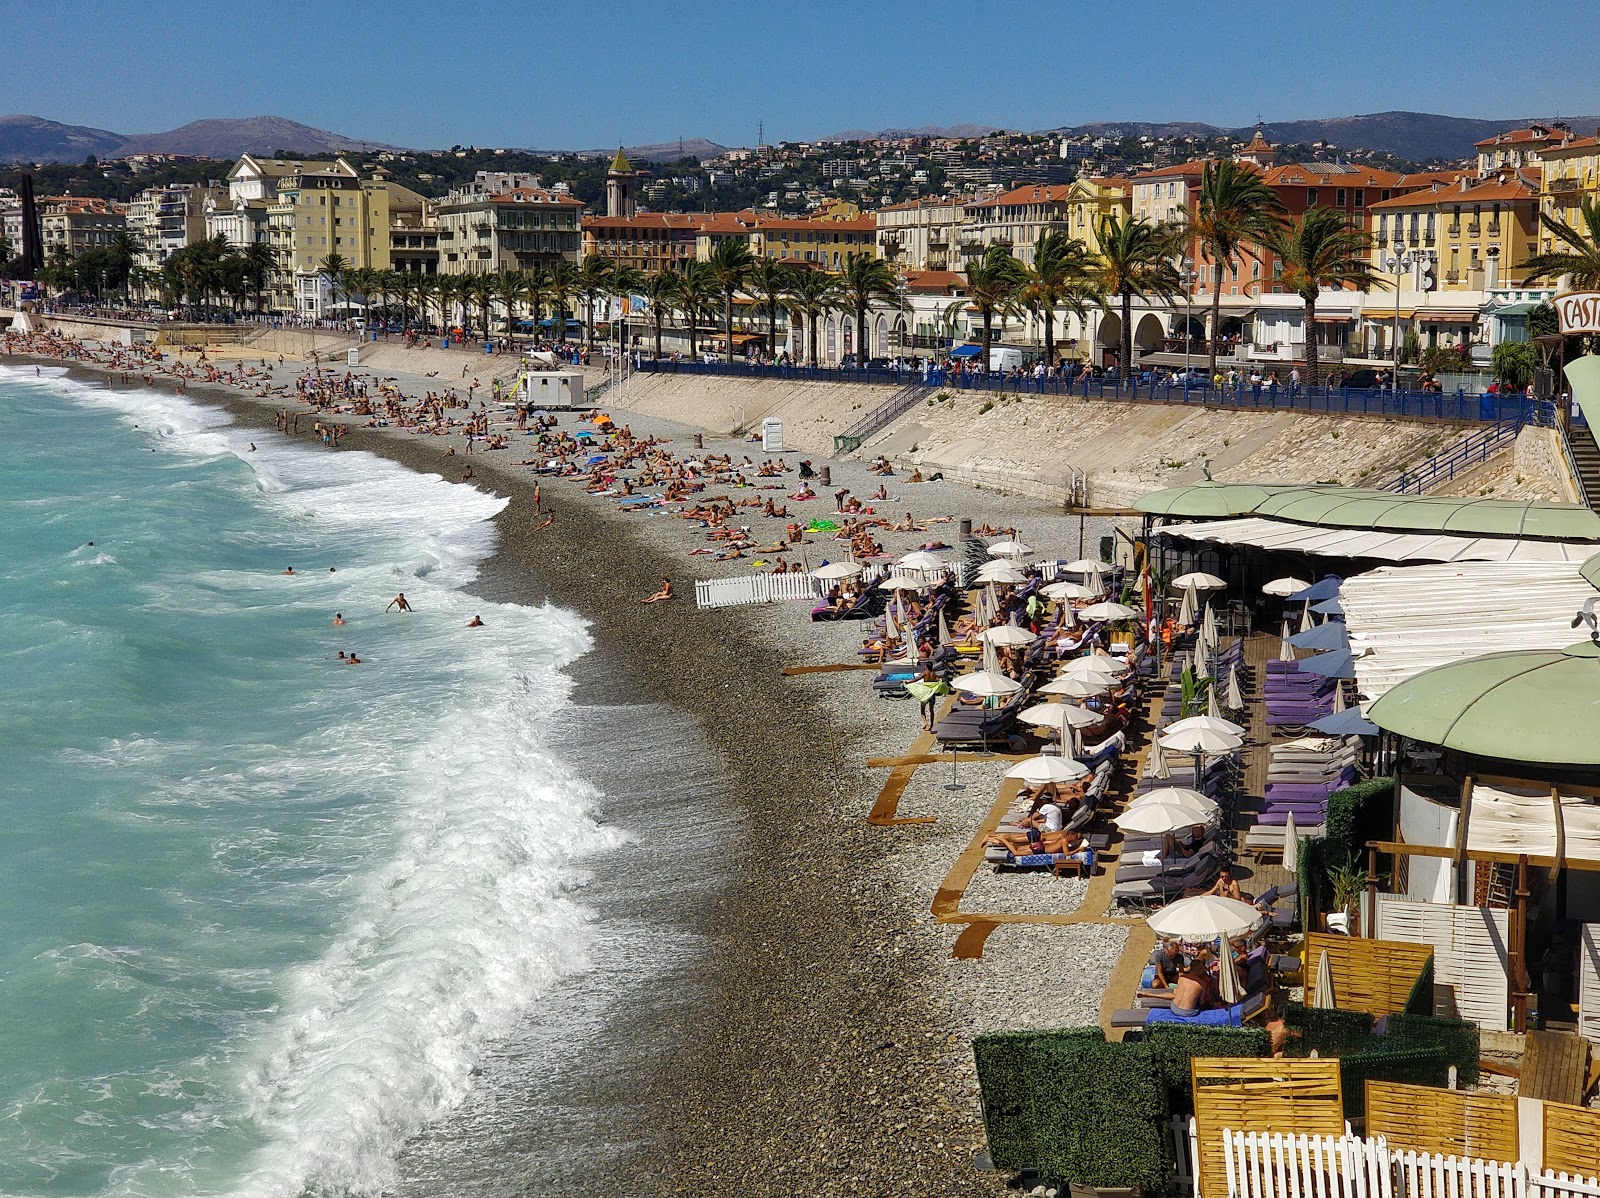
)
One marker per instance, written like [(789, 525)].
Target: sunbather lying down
[(1020, 844)]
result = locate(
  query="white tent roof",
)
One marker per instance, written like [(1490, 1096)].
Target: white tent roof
[(1406, 619), (1522, 820), (1385, 546)]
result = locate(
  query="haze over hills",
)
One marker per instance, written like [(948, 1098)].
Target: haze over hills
[(26, 138)]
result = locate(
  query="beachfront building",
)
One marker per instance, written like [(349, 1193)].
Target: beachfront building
[(240, 217), (1515, 149), (165, 219), (826, 238), (920, 234), (1092, 199), (1015, 219), (78, 223), (649, 242), (1570, 173), (1466, 239), (414, 237), (503, 222)]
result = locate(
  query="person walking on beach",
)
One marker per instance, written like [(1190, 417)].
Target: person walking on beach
[(538, 498), (399, 601), (661, 596)]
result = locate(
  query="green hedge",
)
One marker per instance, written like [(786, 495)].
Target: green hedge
[(1457, 1038), (1074, 1107), (1416, 1066), (1356, 815), (1331, 1032), (1420, 1000), (1174, 1044)]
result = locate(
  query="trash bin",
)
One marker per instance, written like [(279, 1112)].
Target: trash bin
[(445, 343), (488, 347)]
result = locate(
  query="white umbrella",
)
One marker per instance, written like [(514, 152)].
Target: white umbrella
[(1198, 581), (1057, 715), (1007, 634), (1213, 707), (1087, 565), (1001, 571), (987, 684), (1284, 586), (1205, 917), (1210, 723), (1202, 662), (891, 631), (1200, 740), (1069, 618), (1078, 686), (944, 629), (921, 560), (1208, 627), (1157, 819), (1338, 696), (1285, 649), (1203, 806), (1323, 997), (1156, 767), (837, 570), (902, 582), (1306, 622), (1235, 696), (1089, 666), (1228, 988), (1186, 608), (1291, 844), (1009, 549), (1065, 590), (1108, 611), (1041, 771)]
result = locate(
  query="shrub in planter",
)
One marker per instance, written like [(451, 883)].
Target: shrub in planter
[(1331, 1032), (1100, 1113), (1418, 1066), (1173, 1045), (1458, 1038), (1003, 1060)]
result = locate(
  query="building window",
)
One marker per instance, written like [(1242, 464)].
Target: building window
[(1341, 193), (1383, 227), (1311, 197), (1361, 197)]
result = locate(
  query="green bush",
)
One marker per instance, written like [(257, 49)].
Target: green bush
[(1173, 1045), (1416, 1066), (1003, 1060), (1420, 1000), (1356, 815), (1458, 1038), (1100, 1113), (1327, 1031)]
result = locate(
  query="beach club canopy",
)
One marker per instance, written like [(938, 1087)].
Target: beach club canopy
[(987, 684), (1057, 715), (1206, 499), (1041, 771), (1349, 722), (1200, 740), (1332, 635), (1008, 634), (1284, 586), (1064, 591), (1205, 917), (1108, 611), (1529, 705), (966, 351), (1212, 723), (1327, 588), (837, 570), (1198, 581)]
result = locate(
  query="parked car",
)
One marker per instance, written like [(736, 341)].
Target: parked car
[(1194, 376), (1367, 379)]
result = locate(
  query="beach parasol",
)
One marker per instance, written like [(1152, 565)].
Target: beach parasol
[(1208, 627), (1331, 635), (1324, 589), (1093, 571), (1203, 806), (986, 684), (1095, 663), (1066, 590), (1156, 767), (1286, 644), (1340, 663), (1078, 686), (1213, 706), (1228, 988), (1186, 609), (1041, 771), (1322, 994), (944, 629), (1202, 662), (1348, 722), (1235, 695), (1007, 634), (921, 560), (902, 582), (1108, 611), (1157, 819), (1205, 917), (891, 630), (1283, 587), (1198, 580), (1291, 843), (837, 570), (1338, 699), (1329, 607), (1001, 571), (1210, 723), (1202, 740), (1056, 715), (1306, 622), (1009, 549)]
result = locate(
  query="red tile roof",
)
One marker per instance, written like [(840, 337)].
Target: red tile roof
[(934, 282)]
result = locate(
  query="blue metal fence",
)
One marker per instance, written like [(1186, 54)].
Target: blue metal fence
[(1414, 405)]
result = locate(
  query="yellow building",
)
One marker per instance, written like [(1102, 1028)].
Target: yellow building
[(1479, 231), (1091, 200), (1571, 173), (325, 209)]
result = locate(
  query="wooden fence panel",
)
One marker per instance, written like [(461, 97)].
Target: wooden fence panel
[(1470, 949), (1368, 975), (1571, 1139), (1443, 1122), (1248, 1094)]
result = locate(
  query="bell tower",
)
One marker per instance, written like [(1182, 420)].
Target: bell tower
[(619, 187)]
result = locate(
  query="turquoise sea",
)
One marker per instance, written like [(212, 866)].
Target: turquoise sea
[(266, 912)]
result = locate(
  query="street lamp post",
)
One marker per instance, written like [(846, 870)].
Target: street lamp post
[(1190, 275), (1399, 261)]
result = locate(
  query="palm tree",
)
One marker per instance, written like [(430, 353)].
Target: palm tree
[(561, 285), (730, 265), (994, 284), (1236, 210), (424, 287), (447, 290), (124, 248), (1322, 249), (1135, 258), (260, 259), (509, 289), (594, 281), (812, 295), (1062, 275), (335, 269), (867, 281), (481, 290), (536, 289), (1579, 255), (661, 289), (769, 281), (697, 292)]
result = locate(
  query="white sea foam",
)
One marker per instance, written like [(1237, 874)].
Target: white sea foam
[(461, 901)]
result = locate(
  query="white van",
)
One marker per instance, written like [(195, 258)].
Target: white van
[(1004, 358)]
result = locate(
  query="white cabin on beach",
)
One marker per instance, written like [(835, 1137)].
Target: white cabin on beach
[(553, 390)]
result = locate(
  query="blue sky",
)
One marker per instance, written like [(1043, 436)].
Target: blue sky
[(586, 74)]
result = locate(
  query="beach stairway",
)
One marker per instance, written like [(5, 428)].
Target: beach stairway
[(1585, 461), (1472, 450), (901, 401)]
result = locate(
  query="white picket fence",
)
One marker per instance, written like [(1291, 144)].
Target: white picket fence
[(1270, 1165), (756, 588)]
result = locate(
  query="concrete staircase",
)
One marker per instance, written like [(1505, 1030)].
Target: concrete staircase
[(1586, 462)]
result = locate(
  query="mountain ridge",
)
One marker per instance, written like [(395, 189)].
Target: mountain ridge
[(28, 138)]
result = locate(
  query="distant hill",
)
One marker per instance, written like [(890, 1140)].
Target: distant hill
[(697, 148), (35, 139), (921, 131)]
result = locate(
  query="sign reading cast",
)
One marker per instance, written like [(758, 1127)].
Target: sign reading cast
[(1579, 312)]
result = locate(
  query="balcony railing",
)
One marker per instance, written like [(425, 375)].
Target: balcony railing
[(1452, 276), (1555, 185), (1494, 228), (1474, 229), (1454, 230)]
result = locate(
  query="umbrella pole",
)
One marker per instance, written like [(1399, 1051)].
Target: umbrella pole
[(953, 784)]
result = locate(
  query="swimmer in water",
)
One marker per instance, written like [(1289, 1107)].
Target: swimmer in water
[(338, 618), (290, 570), (399, 601), (475, 622), (352, 660)]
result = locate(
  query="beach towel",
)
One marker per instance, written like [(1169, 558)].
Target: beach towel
[(922, 692), (1223, 1017)]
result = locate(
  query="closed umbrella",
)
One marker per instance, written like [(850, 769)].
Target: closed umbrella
[(1285, 646), (1322, 996), (1157, 767), (1213, 706), (1041, 771), (1186, 608), (1109, 611), (1306, 623), (1208, 627), (891, 630), (1283, 587), (986, 684), (1235, 695), (837, 570), (1228, 988), (1205, 917), (1338, 698), (944, 629), (1291, 843), (1202, 662), (1007, 634)]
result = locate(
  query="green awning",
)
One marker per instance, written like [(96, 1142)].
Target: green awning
[(1208, 500), (1591, 571), (1534, 706), (1514, 310)]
